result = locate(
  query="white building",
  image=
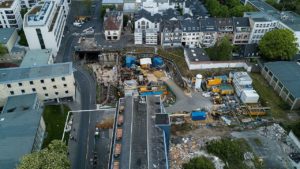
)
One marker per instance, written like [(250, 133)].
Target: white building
[(44, 25), (54, 81), (28, 3), (156, 6), (10, 15), (113, 23), (190, 33)]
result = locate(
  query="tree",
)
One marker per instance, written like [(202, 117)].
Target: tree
[(52, 157), (3, 50), (199, 163), (125, 20), (222, 50), (279, 44), (88, 3)]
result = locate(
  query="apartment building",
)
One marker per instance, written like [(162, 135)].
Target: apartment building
[(50, 82), (224, 28), (208, 32), (146, 28), (113, 23), (190, 33), (29, 3), (242, 31), (156, 6), (195, 9), (22, 128), (10, 16), (268, 18), (44, 25), (171, 33)]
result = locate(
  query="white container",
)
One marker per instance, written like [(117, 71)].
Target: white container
[(242, 78), (198, 81), (249, 96)]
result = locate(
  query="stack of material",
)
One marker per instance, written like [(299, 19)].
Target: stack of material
[(242, 83), (274, 132)]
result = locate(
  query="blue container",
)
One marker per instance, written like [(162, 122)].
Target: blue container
[(130, 60), (157, 61), (151, 93), (198, 115)]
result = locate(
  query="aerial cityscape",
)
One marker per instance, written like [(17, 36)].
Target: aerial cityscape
[(149, 84)]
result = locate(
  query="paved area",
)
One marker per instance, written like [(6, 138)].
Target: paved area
[(185, 102)]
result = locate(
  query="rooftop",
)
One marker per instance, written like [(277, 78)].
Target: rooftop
[(5, 34), (112, 1), (288, 73), (147, 15), (143, 143), (36, 58), (196, 54), (39, 14), (113, 20), (10, 75), (6, 3), (19, 122), (191, 25)]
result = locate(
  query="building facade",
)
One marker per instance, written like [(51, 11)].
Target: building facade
[(113, 23), (8, 38), (29, 3), (44, 25), (242, 31), (190, 33), (50, 82), (171, 34), (10, 16)]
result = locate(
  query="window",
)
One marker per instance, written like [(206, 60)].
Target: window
[(40, 37), (66, 91), (20, 84), (46, 94), (31, 82), (42, 81), (12, 92), (33, 89), (54, 87), (23, 91), (52, 80), (9, 85), (65, 85), (44, 88), (63, 78), (56, 93)]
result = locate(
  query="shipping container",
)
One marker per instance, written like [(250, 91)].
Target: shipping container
[(119, 134), (198, 115), (120, 120), (249, 96), (118, 150)]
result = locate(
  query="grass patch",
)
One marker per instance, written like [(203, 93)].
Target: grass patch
[(54, 116), (269, 97)]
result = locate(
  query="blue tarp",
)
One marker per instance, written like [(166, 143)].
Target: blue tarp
[(130, 60), (151, 93), (157, 61), (198, 115)]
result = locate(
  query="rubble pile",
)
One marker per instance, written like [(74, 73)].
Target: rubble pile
[(189, 147), (274, 131)]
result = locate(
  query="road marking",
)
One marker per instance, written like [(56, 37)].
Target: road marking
[(131, 132)]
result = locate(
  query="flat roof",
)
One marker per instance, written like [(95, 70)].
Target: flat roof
[(196, 54), (5, 34), (19, 122), (39, 14), (288, 73), (143, 142), (9, 75), (36, 58), (112, 1)]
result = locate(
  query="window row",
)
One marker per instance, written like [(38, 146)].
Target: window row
[(32, 83), (33, 90)]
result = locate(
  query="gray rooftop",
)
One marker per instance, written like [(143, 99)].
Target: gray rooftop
[(5, 34), (196, 54), (19, 122), (208, 25), (288, 73), (191, 25), (170, 26), (9, 75), (36, 58), (147, 15), (143, 143), (241, 22)]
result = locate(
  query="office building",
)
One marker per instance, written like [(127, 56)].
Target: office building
[(10, 16)]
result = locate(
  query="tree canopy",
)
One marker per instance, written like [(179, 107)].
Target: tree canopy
[(229, 8), (279, 44), (199, 163), (3, 50), (221, 51), (52, 157)]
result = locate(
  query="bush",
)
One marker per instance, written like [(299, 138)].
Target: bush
[(23, 40), (199, 163)]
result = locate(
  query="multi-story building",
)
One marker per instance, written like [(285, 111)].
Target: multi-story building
[(146, 28), (142, 140), (156, 6), (268, 18), (224, 28), (10, 15), (44, 25), (50, 82), (242, 30), (208, 32), (8, 38), (171, 34), (190, 33), (195, 9), (29, 3), (22, 128), (113, 23)]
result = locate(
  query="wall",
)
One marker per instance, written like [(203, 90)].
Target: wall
[(12, 41)]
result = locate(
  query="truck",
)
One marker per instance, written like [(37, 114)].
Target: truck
[(119, 134), (117, 150), (120, 120)]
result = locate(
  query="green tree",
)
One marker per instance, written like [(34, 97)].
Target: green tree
[(279, 44), (52, 157), (233, 3), (88, 3), (222, 50), (3, 50), (199, 163), (125, 20)]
